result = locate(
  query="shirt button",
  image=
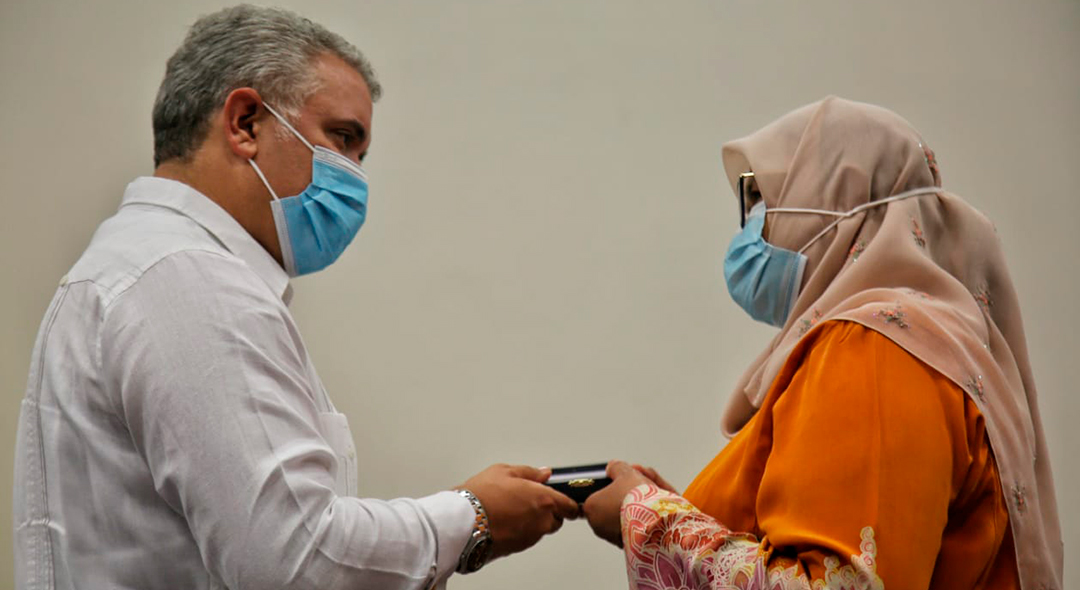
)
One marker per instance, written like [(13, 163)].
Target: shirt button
[(63, 280)]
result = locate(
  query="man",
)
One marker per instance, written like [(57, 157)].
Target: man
[(174, 432)]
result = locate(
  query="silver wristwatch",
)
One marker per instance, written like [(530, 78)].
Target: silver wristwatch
[(478, 548)]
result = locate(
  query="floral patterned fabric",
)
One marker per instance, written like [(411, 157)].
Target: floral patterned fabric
[(672, 545), (863, 468)]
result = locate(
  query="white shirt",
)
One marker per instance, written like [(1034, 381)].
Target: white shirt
[(175, 434)]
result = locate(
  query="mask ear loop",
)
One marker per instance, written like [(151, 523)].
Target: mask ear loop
[(294, 132), (842, 216), (263, 178), (289, 126)]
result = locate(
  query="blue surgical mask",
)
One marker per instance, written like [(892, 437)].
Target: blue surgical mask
[(315, 226), (763, 279)]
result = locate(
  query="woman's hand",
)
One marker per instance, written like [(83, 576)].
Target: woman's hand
[(603, 508)]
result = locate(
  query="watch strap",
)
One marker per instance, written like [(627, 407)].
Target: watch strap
[(480, 539)]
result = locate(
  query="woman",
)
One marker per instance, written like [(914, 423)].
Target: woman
[(889, 435)]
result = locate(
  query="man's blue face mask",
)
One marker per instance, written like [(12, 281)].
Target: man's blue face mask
[(316, 226)]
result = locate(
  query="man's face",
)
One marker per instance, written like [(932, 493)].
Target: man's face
[(337, 116)]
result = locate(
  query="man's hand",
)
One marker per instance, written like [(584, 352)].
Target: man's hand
[(520, 508), (604, 507)]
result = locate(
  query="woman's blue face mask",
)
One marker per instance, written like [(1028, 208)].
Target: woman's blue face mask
[(763, 279)]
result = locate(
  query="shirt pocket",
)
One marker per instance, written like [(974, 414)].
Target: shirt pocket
[(335, 429)]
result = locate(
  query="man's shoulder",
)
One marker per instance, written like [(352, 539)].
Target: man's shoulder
[(139, 238)]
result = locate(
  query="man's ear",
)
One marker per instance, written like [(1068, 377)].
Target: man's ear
[(244, 118)]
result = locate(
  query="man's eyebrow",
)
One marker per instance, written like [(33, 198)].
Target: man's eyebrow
[(353, 125)]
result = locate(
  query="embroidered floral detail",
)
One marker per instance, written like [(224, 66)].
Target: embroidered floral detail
[(920, 294), (917, 233), (856, 250), (687, 550), (982, 297), (893, 316), (1019, 493), (931, 161), (975, 387), (807, 324), (861, 574), (666, 506)]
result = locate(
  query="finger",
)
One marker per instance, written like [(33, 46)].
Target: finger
[(556, 524), (595, 502), (593, 513), (589, 507), (618, 468), (658, 479), (665, 484), (565, 506), (598, 503), (539, 475)]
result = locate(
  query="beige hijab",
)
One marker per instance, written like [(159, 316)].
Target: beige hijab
[(927, 272)]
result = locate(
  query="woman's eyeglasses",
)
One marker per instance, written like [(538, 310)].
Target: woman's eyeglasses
[(748, 194)]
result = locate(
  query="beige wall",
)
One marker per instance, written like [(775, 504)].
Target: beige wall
[(548, 218)]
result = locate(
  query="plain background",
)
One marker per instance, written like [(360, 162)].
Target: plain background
[(539, 279)]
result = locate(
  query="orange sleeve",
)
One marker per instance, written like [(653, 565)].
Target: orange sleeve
[(852, 464)]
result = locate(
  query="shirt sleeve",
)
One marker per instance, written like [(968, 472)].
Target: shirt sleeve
[(210, 378), (864, 448)]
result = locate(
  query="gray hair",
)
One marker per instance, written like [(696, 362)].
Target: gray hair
[(268, 49)]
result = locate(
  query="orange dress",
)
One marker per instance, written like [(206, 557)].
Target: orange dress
[(864, 468)]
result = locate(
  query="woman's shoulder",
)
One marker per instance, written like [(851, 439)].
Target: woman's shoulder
[(856, 362)]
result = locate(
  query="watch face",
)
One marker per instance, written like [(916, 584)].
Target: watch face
[(479, 555)]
